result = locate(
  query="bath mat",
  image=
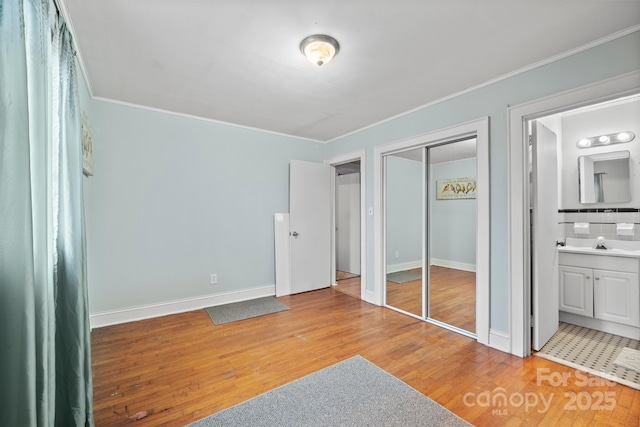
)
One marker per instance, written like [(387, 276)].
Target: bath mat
[(245, 310), (629, 358), (591, 351), (354, 392), (403, 276)]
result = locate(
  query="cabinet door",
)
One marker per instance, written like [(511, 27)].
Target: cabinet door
[(576, 290), (617, 297)]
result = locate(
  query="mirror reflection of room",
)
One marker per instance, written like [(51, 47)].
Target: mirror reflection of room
[(404, 227), (430, 220), (604, 177)]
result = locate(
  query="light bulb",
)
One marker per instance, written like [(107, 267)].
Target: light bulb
[(319, 49), (584, 142), (623, 136)]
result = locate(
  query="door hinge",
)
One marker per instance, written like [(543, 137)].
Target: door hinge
[(531, 318)]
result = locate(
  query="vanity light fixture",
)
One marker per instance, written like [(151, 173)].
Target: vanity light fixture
[(612, 138), (319, 49)]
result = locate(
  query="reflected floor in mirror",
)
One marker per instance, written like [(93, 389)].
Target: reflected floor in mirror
[(453, 296)]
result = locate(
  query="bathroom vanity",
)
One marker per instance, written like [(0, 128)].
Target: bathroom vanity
[(600, 288)]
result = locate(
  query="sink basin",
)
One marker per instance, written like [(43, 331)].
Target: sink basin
[(624, 248)]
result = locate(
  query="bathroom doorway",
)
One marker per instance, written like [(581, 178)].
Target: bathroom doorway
[(522, 224), (569, 166)]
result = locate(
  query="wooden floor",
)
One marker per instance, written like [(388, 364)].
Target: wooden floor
[(348, 283), (453, 296), (180, 368)]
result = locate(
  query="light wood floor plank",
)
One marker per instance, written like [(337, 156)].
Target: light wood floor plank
[(181, 368)]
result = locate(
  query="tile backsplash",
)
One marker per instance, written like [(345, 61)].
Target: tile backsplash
[(602, 222)]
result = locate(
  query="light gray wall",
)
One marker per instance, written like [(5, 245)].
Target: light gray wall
[(404, 196), (612, 119), (175, 199), (601, 62), (453, 222)]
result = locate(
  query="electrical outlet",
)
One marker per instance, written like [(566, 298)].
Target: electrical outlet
[(214, 279), (397, 254)]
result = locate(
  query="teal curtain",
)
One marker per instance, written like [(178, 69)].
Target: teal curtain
[(45, 365)]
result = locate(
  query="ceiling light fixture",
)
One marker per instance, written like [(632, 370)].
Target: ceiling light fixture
[(319, 48), (612, 138)]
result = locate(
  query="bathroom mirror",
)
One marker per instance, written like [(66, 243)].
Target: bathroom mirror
[(604, 177)]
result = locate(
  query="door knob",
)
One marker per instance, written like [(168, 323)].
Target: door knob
[(294, 234)]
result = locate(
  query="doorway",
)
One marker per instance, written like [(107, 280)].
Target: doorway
[(348, 253), (419, 185), (347, 228), (565, 176), (521, 268)]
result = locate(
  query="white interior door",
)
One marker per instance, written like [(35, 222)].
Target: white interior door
[(310, 225), (544, 255)]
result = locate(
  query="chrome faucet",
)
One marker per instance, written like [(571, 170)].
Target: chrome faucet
[(600, 243)]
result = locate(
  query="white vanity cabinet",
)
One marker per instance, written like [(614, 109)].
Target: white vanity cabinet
[(616, 297), (576, 290), (600, 292)]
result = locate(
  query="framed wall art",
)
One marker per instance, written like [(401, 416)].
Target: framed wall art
[(456, 188)]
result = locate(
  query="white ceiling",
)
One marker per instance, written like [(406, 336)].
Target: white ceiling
[(238, 61), (459, 150)]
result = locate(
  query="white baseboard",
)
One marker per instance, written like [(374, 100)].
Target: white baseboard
[(148, 311), (626, 331), (371, 297), (454, 264), (394, 268), (499, 341)]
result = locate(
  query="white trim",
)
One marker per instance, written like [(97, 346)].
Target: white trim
[(499, 341), (626, 331), (525, 69), (518, 227), (394, 268), (480, 129), (454, 265), (338, 160), (370, 296), (148, 311)]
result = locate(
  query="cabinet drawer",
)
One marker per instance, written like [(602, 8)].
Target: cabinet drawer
[(600, 262)]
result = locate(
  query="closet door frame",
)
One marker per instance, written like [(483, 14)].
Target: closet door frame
[(480, 130)]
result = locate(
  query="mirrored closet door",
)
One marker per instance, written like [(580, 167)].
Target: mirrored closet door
[(430, 233)]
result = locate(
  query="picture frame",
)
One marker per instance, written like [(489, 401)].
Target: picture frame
[(456, 188), (87, 145)]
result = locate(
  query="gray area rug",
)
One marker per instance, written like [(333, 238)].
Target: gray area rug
[(245, 310), (592, 351), (354, 392), (403, 277)]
